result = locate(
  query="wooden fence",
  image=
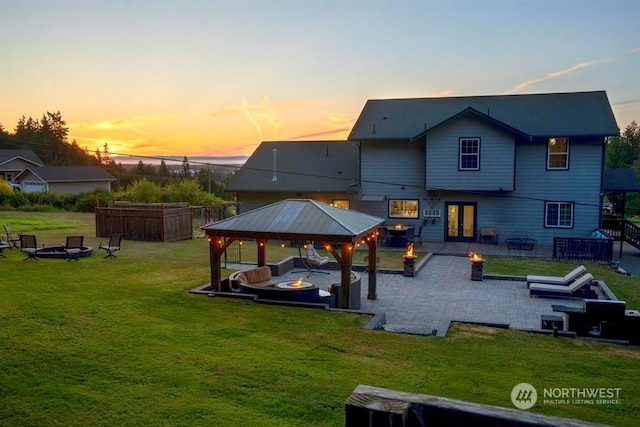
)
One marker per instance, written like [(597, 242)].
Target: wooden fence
[(152, 222)]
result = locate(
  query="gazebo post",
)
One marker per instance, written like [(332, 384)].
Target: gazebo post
[(373, 268), (262, 259), (345, 274), (215, 253)]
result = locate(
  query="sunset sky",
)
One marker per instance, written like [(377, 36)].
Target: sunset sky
[(215, 78)]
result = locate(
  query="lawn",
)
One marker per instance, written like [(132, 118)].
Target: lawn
[(122, 342)]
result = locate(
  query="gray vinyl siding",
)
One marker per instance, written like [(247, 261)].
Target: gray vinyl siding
[(497, 157), (253, 200), (524, 208), (394, 169)]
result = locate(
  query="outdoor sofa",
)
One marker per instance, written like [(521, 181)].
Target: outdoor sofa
[(258, 281)]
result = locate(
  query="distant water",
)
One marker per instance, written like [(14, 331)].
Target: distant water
[(172, 160)]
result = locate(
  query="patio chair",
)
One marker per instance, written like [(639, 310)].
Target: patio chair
[(417, 237), (3, 246), (556, 280), (581, 287), (29, 245), (11, 241), (383, 236), (114, 245), (73, 247), (313, 259)]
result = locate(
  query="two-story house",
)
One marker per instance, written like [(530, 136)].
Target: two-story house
[(454, 165)]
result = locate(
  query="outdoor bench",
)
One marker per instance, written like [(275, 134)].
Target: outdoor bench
[(521, 240)]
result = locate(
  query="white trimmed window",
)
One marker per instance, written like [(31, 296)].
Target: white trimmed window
[(558, 153), (469, 154), (403, 209), (558, 215)]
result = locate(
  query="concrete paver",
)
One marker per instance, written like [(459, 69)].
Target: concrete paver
[(443, 292)]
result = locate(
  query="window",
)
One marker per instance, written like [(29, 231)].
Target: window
[(469, 154), (558, 214), (340, 203), (558, 153), (403, 209)]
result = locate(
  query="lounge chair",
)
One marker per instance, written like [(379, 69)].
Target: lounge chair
[(73, 247), (113, 245), (29, 245), (578, 288), (556, 280)]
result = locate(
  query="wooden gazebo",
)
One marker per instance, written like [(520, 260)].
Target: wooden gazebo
[(299, 219)]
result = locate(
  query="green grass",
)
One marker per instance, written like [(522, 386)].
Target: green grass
[(122, 342)]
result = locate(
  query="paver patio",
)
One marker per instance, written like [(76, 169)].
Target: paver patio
[(443, 292)]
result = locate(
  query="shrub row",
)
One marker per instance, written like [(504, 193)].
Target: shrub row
[(141, 191)]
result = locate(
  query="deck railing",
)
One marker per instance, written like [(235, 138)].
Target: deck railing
[(583, 248)]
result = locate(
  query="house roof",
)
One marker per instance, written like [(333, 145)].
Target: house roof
[(68, 173), (300, 166), (293, 219), (7, 156), (535, 115), (620, 181)]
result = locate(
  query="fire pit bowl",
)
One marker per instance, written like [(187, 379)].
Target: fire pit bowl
[(59, 252)]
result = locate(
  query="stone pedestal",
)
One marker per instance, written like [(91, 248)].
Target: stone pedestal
[(477, 270), (409, 266)]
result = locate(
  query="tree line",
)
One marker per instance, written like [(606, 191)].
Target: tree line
[(623, 152)]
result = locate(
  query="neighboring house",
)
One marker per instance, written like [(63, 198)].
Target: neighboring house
[(458, 164), (64, 179), (326, 171), (12, 162)]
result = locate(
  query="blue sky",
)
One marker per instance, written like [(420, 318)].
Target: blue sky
[(218, 77)]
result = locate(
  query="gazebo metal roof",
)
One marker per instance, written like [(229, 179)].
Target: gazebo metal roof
[(297, 219)]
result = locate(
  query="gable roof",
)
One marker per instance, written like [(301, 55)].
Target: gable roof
[(300, 166), (68, 173), (620, 181), (535, 115), (293, 219), (7, 156)]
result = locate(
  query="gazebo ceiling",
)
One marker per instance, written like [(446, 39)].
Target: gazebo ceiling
[(293, 219)]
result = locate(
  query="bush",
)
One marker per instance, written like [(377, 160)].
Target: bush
[(5, 188), (17, 199), (86, 202), (189, 192), (46, 198), (142, 191)]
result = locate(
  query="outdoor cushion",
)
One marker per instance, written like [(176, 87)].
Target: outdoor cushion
[(573, 287), (241, 278), (555, 280), (257, 275)]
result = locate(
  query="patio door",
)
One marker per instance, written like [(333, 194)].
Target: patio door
[(461, 222)]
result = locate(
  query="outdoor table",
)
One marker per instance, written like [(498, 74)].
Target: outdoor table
[(398, 235)]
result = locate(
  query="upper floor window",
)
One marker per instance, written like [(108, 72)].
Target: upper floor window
[(558, 153), (403, 209), (469, 154), (341, 203), (558, 214)]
